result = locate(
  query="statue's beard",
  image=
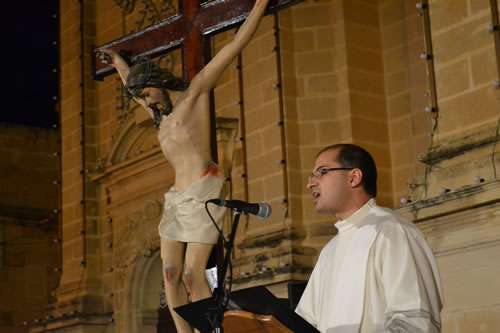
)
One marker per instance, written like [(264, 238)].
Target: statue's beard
[(159, 112)]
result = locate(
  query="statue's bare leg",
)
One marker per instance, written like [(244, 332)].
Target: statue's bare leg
[(173, 261), (196, 259)]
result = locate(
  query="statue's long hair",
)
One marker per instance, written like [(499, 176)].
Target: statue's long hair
[(146, 74)]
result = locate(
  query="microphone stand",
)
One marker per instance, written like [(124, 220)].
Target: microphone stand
[(220, 294)]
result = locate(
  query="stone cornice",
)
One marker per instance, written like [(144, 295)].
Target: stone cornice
[(72, 319), (100, 175), (459, 200), (27, 216), (272, 239), (446, 149)]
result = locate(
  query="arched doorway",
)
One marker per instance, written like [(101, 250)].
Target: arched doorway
[(148, 304)]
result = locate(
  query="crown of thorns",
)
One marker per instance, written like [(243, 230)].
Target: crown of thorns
[(139, 76), (145, 73)]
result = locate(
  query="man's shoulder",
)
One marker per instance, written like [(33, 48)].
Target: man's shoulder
[(328, 247), (391, 224), (386, 212), (388, 218)]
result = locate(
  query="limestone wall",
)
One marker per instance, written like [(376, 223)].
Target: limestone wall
[(316, 74), (29, 256)]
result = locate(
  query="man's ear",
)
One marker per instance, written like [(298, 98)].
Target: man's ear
[(356, 177)]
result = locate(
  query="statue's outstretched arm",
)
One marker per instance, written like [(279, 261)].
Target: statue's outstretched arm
[(113, 58), (206, 78)]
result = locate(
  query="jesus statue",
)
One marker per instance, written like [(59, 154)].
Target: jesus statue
[(181, 112)]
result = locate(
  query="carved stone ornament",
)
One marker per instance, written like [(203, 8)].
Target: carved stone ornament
[(140, 237)]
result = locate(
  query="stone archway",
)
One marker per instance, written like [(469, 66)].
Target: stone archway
[(147, 315)]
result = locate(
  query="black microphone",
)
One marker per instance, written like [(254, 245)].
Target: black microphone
[(261, 210)]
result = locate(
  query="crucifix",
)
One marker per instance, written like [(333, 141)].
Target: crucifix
[(184, 117)]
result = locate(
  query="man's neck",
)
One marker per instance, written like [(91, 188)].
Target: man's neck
[(352, 207)]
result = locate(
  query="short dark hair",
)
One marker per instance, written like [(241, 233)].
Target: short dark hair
[(352, 156)]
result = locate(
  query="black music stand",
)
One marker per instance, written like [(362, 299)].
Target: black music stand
[(256, 300)]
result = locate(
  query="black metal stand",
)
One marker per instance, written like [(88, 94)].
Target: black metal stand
[(220, 293)]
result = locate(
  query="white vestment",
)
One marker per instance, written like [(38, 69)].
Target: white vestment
[(377, 275)]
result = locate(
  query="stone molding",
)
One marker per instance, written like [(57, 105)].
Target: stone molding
[(459, 200), (140, 236), (450, 148), (94, 322), (272, 258)]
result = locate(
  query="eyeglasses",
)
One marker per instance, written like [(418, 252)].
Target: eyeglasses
[(317, 174)]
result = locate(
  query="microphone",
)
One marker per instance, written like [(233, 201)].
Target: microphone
[(261, 210)]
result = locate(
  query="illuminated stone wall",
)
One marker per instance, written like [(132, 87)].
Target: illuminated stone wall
[(341, 71)]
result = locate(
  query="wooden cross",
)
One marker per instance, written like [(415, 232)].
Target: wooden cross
[(189, 30)]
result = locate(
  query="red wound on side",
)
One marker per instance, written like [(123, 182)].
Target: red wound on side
[(212, 170)]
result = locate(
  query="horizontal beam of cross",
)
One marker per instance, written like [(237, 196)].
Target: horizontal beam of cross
[(177, 31)]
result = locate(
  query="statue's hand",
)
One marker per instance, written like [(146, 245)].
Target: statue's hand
[(107, 56), (106, 59)]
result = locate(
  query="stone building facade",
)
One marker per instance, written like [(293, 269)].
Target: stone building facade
[(30, 256), (318, 73)]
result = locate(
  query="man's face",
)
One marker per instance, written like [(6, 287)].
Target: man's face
[(330, 189)]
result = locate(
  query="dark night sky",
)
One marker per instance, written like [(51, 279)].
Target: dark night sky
[(29, 58)]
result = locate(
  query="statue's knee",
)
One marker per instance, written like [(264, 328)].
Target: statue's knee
[(193, 279), (171, 274), (188, 275)]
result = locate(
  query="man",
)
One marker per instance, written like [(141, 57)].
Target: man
[(183, 119), (377, 274)]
